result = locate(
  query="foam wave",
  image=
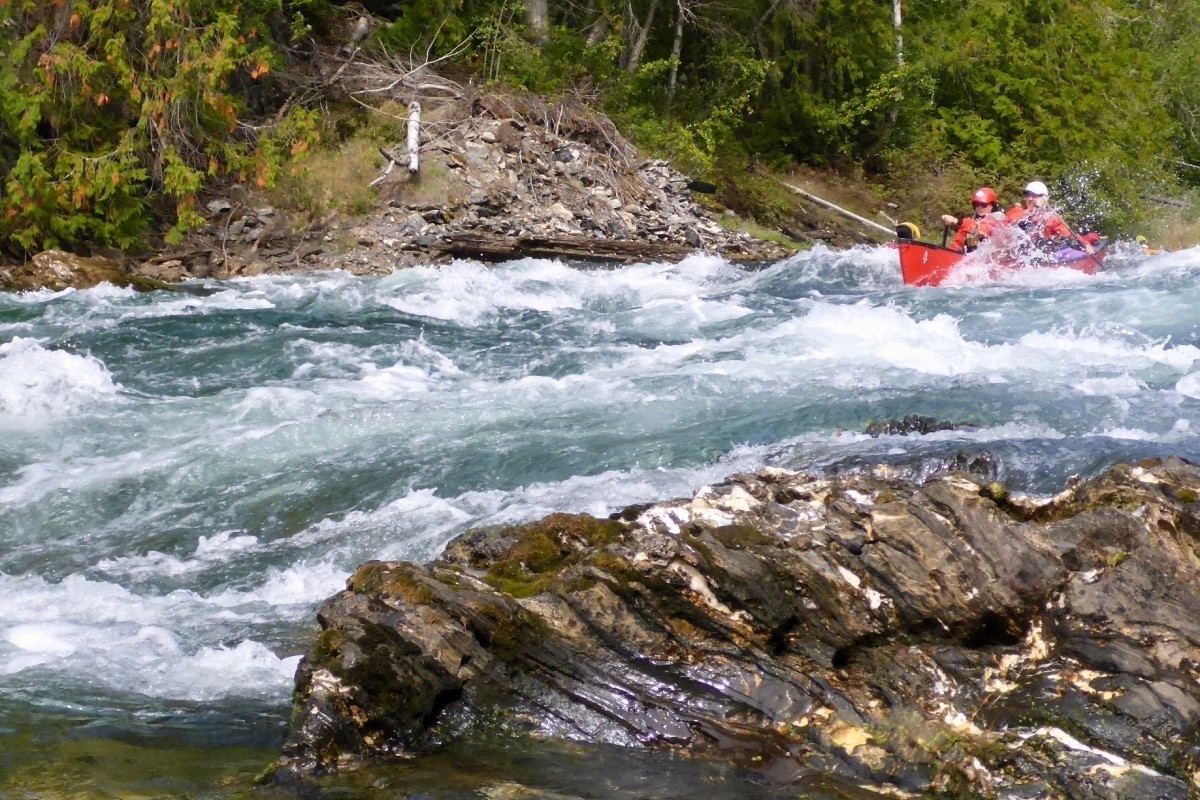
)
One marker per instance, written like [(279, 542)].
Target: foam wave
[(101, 633), (36, 382)]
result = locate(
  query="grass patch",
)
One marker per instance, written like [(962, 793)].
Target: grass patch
[(1174, 232), (752, 228), (333, 179)]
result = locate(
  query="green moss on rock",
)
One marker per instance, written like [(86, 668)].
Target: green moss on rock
[(543, 549), (400, 579)]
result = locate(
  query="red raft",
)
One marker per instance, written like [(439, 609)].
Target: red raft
[(924, 264)]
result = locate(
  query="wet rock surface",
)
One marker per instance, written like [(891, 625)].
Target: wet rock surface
[(860, 629), (56, 270)]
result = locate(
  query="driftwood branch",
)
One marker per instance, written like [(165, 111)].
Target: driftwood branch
[(487, 247), (866, 223), (1163, 201), (391, 165)]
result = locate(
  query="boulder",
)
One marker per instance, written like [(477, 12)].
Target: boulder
[(935, 638), (56, 271)]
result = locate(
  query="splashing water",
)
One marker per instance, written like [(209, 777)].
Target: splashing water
[(185, 475)]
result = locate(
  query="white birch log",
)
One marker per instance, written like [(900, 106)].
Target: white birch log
[(414, 136), (848, 214)]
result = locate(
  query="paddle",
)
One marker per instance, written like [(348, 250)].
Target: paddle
[(945, 234)]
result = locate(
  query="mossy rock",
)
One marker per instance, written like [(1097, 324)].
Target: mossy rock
[(56, 271), (400, 579), (540, 551)]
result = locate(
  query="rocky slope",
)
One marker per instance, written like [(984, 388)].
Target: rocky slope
[(897, 638), (497, 180)]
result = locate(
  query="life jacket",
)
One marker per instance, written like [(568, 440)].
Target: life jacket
[(974, 230), (1043, 225)]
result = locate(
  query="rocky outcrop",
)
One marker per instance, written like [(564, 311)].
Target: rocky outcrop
[(944, 637), (56, 270)]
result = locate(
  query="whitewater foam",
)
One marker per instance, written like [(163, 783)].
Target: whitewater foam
[(37, 382)]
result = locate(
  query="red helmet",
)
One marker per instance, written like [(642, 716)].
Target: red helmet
[(985, 195)]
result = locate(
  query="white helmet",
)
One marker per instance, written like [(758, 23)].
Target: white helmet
[(1038, 188)]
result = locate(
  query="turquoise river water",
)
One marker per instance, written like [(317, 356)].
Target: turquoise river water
[(185, 475)]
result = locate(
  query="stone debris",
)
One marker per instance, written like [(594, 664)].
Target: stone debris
[(503, 187)]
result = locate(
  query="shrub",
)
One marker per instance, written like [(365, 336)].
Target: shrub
[(113, 112)]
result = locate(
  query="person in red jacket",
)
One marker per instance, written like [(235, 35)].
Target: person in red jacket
[(1045, 228), (983, 223)]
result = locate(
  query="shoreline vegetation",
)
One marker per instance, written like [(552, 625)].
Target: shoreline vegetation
[(208, 139)]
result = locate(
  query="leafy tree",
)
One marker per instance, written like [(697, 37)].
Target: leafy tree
[(1168, 32), (107, 106), (1053, 89)]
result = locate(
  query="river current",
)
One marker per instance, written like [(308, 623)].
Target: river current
[(185, 475)]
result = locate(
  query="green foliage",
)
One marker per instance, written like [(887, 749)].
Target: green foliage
[(435, 27), (706, 123), (1049, 89), (1168, 32), (115, 111), (115, 115)]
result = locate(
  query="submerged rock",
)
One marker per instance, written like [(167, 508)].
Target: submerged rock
[(942, 637), (913, 423)]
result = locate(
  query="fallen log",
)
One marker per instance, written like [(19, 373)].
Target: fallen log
[(490, 247), (1163, 201), (866, 223)]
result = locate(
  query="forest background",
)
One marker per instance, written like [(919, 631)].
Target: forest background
[(118, 117)]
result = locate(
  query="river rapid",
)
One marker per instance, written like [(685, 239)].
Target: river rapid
[(185, 475)]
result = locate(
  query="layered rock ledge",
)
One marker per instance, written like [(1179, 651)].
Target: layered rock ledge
[(893, 637)]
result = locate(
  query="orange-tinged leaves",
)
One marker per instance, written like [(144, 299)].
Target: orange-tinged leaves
[(259, 70), (102, 100), (264, 171), (299, 147), (116, 178), (75, 20)]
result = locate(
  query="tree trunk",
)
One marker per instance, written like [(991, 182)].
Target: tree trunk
[(598, 30), (414, 136), (676, 51), (639, 44), (897, 19), (537, 14)]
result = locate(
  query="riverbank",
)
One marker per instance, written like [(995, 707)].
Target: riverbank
[(499, 177)]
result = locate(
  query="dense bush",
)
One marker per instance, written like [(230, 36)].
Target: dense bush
[(115, 113)]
